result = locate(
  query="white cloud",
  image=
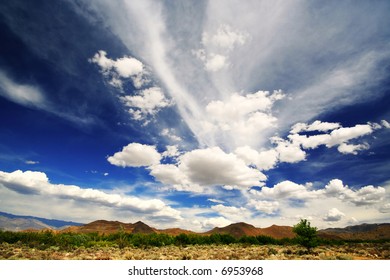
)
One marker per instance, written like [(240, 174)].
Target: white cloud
[(37, 184), (285, 190), (171, 134), (339, 136), (218, 46), (232, 213), (351, 149), (31, 162), (344, 134), (171, 152), (224, 38), (128, 67), (263, 160), (385, 123), (288, 152), (215, 62), (215, 200), (125, 67), (210, 223), (368, 195), (147, 102), (202, 168), (170, 174), (136, 155), (26, 95), (309, 142), (212, 166), (385, 208), (315, 126), (241, 119), (265, 206), (333, 215)]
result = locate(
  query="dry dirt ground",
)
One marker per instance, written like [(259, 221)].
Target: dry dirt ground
[(200, 252)]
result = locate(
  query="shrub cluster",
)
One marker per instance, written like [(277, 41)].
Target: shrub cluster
[(67, 241)]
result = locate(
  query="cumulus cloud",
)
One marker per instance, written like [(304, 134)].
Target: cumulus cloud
[(210, 223), (285, 190), (231, 212), (265, 206), (171, 174), (338, 136), (368, 195), (334, 215), (351, 148), (147, 102), (171, 151), (289, 152), (37, 183), (241, 119), (135, 155), (207, 167), (115, 70), (365, 196), (263, 160), (212, 166)]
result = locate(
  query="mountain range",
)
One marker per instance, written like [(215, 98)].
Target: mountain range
[(18, 223)]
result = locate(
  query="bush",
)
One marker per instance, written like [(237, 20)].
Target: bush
[(306, 235)]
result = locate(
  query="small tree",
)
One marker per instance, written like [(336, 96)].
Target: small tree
[(306, 235)]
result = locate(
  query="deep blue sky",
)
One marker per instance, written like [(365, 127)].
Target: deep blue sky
[(196, 114)]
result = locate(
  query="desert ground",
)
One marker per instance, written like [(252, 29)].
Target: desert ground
[(360, 251)]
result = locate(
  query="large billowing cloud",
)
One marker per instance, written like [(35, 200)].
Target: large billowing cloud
[(37, 184), (207, 167), (334, 215)]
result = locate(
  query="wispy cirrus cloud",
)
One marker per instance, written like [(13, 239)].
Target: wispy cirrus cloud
[(26, 95)]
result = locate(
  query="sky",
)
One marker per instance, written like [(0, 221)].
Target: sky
[(196, 114)]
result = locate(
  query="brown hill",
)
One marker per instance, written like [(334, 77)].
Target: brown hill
[(364, 232), (278, 232), (241, 229), (102, 227), (140, 227), (236, 230)]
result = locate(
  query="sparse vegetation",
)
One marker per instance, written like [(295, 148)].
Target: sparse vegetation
[(121, 245)]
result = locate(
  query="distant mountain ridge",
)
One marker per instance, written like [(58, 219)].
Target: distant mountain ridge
[(240, 229), (363, 231), (18, 223)]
